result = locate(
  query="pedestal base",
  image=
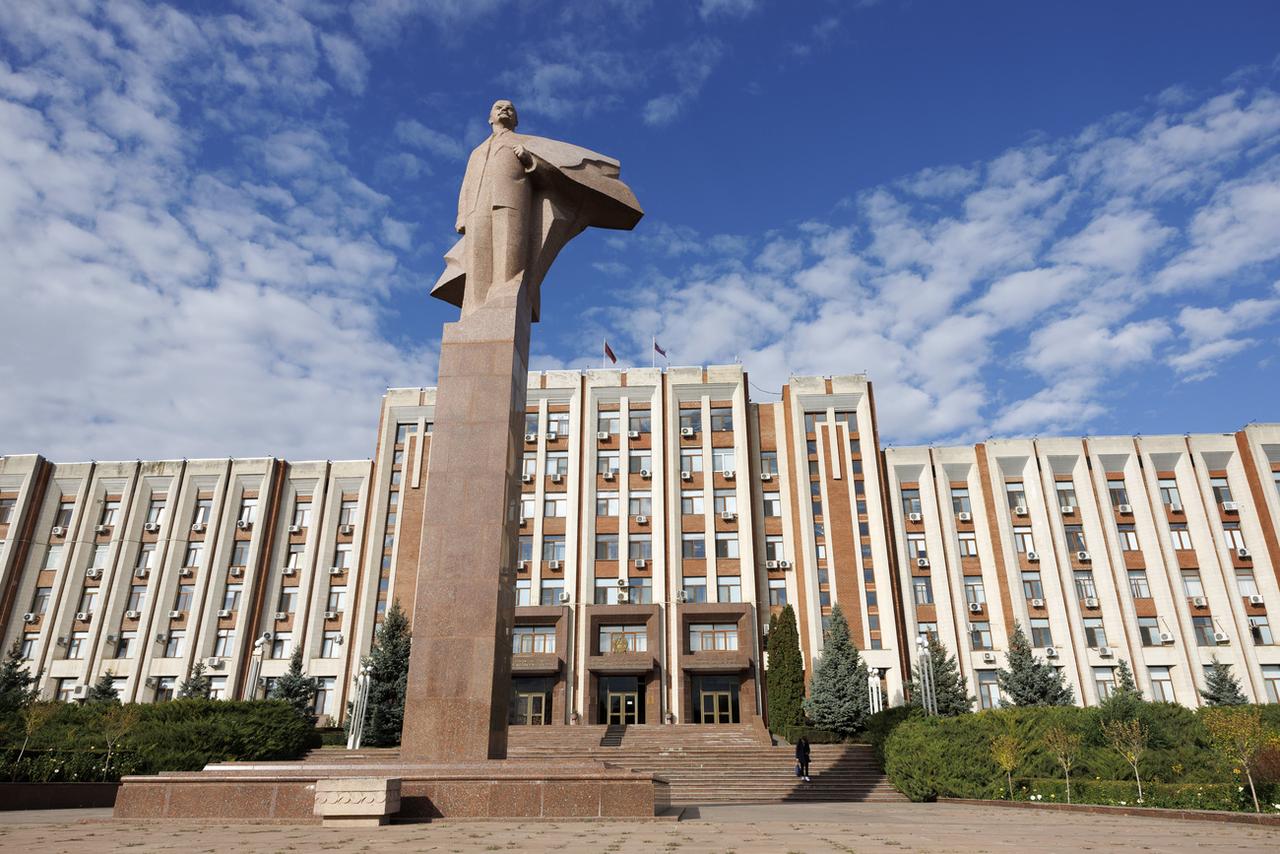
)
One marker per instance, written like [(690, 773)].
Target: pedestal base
[(286, 791)]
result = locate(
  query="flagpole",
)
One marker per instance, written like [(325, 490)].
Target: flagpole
[(653, 353)]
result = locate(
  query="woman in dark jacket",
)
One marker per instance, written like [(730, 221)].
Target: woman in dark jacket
[(802, 757)]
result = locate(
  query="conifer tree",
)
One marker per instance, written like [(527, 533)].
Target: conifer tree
[(1125, 701), (17, 684), (197, 686), (948, 684), (388, 664), (1029, 682), (103, 691), (839, 694), (784, 679), (1221, 688), (297, 688)]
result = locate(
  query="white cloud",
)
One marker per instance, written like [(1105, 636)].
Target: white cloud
[(350, 65), (727, 8), (692, 66), (415, 133)]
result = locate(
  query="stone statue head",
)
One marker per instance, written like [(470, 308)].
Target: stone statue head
[(503, 113)]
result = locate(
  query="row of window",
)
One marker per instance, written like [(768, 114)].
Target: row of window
[(639, 591)]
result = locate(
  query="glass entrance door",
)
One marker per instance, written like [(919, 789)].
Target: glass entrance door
[(531, 708), (717, 707), (623, 707)]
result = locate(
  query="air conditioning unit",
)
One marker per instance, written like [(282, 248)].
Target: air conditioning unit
[(197, 527), (295, 529), (132, 615), (728, 516), (1243, 554), (1019, 510), (151, 527), (603, 436), (682, 596), (922, 561), (1083, 556), (175, 615), (1091, 602), (1166, 637), (29, 617), (1125, 509), (633, 434), (621, 582), (1050, 652), (1255, 599), (914, 517), (524, 564), (770, 564), (79, 692), (186, 571), (557, 477), (526, 478), (58, 531), (642, 520), (553, 564), (237, 571), (1199, 602), (523, 521), (1032, 557), (729, 474), (784, 564), (531, 437), (686, 475), (337, 570), (551, 437), (331, 615), (964, 516), (641, 563), (1104, 652), (686, 432), (610, 475), (62, 640), (140, 572), (161, 637), (766, 476), (282, 615), (244, 524), (1230, 507), (102, 529), (644, 473), (1037, 603), (214, 663), (623, 597), (1175, 508), (564, 597), (975, 607), (989, 657), (223, 613), (92, 572), (288, 570), (1220, 637), (83, 616), (1067, 509), (346, 530)]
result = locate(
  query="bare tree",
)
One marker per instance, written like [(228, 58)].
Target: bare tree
[(1064, 744), (1006, 749), (1129, 739)]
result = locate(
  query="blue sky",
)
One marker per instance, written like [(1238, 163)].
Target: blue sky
[(218, 221)]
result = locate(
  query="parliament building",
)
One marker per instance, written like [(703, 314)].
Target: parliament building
[(664, 517)]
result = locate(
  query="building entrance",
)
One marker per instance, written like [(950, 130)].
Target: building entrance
[(622, 707), (621, 700), (530, 701), (716, 700)]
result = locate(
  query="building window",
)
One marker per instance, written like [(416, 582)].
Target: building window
[(1191, 584), (607, 462), (722, 420), (125, 644), (640, 591), (110, 509), (638, 421), (533, 640), (293, 559), (1066, 494), (524, 592), (1169, 493), (777, 591), (607, 422), (88, 601), (174, 643), (1138, 586), (707, 637), (1128, 538), (1041, 635), (1016, 495), (1085, 588), (75, 645), (915, 546), (182, 601), (231, 597), (342, 556), (1095, 634), (1104, 679), (773, 549), (769, 463), (968, 542), (550, 592), (974, 593), (960, 501), (7, 506), (922, 589), (524, 548), (606, 546), (62, 517), (558, 423), (553, 547), (1245, 582), (222, 642), (337, 600), (606, 591), (326, 694), (1149, 631), (910, 501), (728, 588), (1232, 535), (691, 419), (288, 601), (722, 459), (1260, 629), (40, 600), (1161, 684), (1075, 538), (690, 461), (1119, 495), (640, 461), (606, 505), (1202, 627), (928, 631), (640, 504), (725, 501), (1221, 490), (727, 545), (1022, 540), (240, 553), (52, 556), (1032, 586), (529, 464), (1271, 673), (281, 645), (693, 546), (155, 509), (248, 511), (980, 635), (137, 598), (988, 689), (557, 463), (691, 503), (772, 505), (640, 547), (1180, 536), (616, 639), (695, 588), (329, 644)]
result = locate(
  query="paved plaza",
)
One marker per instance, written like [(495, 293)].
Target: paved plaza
[(807, 828)]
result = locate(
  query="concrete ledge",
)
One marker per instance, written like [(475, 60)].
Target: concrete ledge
[(1272, 820)]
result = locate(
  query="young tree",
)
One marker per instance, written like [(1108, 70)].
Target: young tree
[(1221, 688), (839, 696), (784, 679), (197, 686), (116, 722), (34, 717), (103, 691), (1129, 739), (1006, 750), (17, 684), (948, 684), (297, 688), (1239, 735), (1028, 681), (388, 664), (1064, 744)]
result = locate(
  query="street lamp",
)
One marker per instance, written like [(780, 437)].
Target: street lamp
[(355, 732), (928, 692)]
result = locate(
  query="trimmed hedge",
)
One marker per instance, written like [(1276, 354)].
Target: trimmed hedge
[(1122, 793), (927, 758), (182, 735)]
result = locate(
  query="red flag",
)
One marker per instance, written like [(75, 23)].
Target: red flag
[(608, 353), (661, 352)]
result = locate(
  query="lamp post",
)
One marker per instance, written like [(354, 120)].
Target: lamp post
[(355, 732), (928, 696)]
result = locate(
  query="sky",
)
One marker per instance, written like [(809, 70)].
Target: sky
[(219, 221)]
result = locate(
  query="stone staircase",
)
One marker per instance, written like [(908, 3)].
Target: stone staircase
[(714, 764)]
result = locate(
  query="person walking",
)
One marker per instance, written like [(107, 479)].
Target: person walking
[(802, 759)]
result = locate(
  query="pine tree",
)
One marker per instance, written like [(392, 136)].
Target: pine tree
[(297, 688), (388, 664), (197, 686), (1221, 688), (1125, 701), (839, 694), (784, 679), (1029, 682), (948, 684), (103, 691), (17, 684)]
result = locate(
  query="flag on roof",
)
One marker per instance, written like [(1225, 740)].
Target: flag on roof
[(658, 348), (608, 353)]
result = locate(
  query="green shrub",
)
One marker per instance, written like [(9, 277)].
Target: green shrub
[(882, 724), (1185, 796)]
